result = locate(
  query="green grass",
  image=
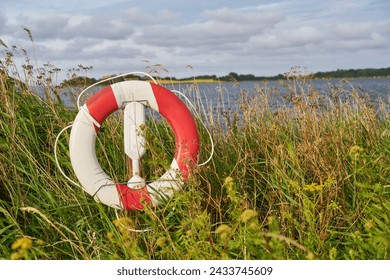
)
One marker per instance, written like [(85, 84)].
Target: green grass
[(308, 181)]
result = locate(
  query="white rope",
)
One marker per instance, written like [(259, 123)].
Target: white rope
[(201, 121), (56, 157)]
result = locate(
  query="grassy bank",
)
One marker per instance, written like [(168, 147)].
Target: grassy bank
[(310, 180)]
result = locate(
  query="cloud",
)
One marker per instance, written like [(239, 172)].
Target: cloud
[(65, 28), (224, 35), (253, 18), (328, 38), (49, 27), (101, 27), (84, 49), (361, 36), (3, 22), (217, 28)]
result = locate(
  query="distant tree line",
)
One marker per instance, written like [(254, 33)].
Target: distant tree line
[(339, 73), (79, 81), (354, 73), (232, 76)]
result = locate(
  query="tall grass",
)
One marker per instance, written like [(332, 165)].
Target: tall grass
[(309, 179)]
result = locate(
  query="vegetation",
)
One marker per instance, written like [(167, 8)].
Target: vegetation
[(338, 74), (232, 76), (354, 73), (306, 180)]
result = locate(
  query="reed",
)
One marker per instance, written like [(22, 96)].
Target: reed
[(306, 180)]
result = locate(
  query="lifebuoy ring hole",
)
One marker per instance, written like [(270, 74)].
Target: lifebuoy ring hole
[(159, 145)]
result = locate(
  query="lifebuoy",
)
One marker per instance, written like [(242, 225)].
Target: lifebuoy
[(83, 138)]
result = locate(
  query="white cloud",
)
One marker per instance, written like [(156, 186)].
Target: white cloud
[(218, 28), (225, 36), (48, 27), (66, 27), (102, 27)]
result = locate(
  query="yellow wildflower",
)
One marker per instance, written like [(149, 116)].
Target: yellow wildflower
[(16, 256), (369, 225), (23, 243), (222, 228), (333, 205), (122, 224), (293, 184), (21, 247), (40, 242), (330, 182), (254, 225), (247, 215), (355, 151), (313, 187), (110, 235), (333, 253), (231, 191), (223, 231), (160, 242), (228, 180)]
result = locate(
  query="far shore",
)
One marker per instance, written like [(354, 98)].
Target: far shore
[(209, 81)]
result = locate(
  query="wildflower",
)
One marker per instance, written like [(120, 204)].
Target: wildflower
[(313, 187), (40, 242), (247, 215), (333, 253), (254, 225), (160, 242), (23, 243), (223, 231), (16, 256), (228, 181), (122, 224), (222, 228), (310, 256), (110, 235), (294, 186), (231, 189), (293, 183), (21, 248), (330, 182), (270, 220), (357, 235), (333, 205), (369, 225), (355, 151)]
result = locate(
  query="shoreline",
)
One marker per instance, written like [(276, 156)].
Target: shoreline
[(210, 81)]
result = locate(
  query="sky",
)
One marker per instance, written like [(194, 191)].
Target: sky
[(202, 37)]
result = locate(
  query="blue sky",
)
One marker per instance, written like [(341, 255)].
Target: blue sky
[(214, 37)]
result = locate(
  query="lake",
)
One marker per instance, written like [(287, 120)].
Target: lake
[(223, 96)]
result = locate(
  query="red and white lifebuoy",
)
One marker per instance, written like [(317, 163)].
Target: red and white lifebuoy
[(83, 138)]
